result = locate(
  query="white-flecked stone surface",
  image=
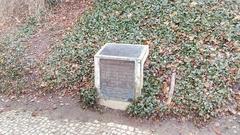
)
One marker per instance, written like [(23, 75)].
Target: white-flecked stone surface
[(19, 122)]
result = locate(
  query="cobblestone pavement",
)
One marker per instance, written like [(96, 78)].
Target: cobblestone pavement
[(18, 122), (64, 116)]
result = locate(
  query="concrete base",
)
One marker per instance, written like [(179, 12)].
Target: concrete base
[(119, 105)]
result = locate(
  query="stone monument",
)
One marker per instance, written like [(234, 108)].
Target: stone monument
[(119, 73)]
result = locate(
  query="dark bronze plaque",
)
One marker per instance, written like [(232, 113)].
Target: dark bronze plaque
[(117, 79)]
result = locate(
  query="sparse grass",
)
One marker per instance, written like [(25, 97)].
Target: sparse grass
[(13, 64), (199, 39)]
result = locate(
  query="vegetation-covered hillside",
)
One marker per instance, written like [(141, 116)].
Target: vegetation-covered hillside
[(200, 39)]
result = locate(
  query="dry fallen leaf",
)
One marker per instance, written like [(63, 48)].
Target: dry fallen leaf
[(237, 17), (217, 131), (193, 4), (173, 14), (147, 42), (165, 88), (34, 114)]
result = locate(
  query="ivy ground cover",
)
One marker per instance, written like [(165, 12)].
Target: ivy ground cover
[(199, 39)]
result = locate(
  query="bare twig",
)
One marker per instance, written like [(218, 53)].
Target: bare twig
[(172, 86)]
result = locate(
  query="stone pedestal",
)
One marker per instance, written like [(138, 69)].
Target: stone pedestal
[(119, 73)]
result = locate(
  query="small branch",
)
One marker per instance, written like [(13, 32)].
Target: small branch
[(172, 86)]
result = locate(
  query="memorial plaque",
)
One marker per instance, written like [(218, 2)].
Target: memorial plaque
[(119, 73), (117, 79)]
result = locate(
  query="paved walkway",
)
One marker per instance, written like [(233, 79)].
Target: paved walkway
[(18, 122), (52, 115)]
